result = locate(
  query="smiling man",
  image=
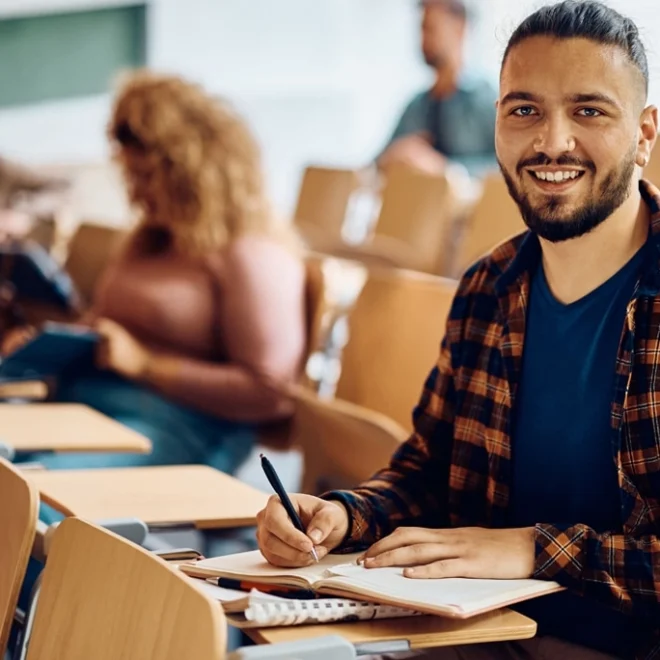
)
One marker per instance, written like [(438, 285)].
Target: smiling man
[(536, 443)]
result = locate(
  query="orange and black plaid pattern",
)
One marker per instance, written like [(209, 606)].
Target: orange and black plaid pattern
[(455, 470)]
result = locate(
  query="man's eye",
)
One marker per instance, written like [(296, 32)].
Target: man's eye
[(589, 112), (524, 111)]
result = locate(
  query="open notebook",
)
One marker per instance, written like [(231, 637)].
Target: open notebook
[(261, 610), (340, 575)]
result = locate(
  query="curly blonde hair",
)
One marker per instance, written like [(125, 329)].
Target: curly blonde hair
[(191, 166)]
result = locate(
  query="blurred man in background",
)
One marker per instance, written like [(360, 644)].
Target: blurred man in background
[(455, 119)]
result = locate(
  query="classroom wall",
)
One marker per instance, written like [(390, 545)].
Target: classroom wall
[(320, 80)]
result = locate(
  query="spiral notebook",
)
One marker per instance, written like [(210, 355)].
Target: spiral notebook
[(260, 610), (341, 576)]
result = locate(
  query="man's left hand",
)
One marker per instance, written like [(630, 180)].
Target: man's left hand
[(469, 552)]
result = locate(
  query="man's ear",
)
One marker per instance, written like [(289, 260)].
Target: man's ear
[(648, 133)]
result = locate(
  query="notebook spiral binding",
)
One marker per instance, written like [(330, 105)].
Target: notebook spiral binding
[(320, 611)]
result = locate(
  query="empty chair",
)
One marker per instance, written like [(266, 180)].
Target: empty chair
[(394, 335), (103, 597), (494, 219), (415, 219), (392, 341), (323, 201), (19, 505), (414, 225)]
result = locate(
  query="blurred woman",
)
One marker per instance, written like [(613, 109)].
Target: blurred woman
[(202, 313)]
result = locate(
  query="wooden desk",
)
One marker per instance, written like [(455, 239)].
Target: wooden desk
[(64, 427), (159, 496), (421, 632)]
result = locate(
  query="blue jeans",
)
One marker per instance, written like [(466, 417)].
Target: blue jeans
[(179, 435)]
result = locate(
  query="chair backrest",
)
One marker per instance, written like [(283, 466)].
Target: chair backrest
[(332, 288), (417, 211), (342, 444), (323, 201), (394, 335), (90, 249), (495, 218), (19, 508), (105, 598)]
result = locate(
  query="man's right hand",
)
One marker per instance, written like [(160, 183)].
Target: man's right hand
[(282, 544)]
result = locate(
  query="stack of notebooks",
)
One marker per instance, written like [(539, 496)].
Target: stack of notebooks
[(346, 591)]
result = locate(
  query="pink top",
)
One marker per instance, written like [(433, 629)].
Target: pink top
[(234, 323)]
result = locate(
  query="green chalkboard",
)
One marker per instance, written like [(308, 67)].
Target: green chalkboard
[(67, 55)]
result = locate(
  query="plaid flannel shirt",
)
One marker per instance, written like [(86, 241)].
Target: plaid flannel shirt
[(455, 469)]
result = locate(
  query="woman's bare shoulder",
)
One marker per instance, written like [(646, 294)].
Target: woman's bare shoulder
[(261, 256)]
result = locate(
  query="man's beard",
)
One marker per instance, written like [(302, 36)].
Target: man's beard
[(547, 220)]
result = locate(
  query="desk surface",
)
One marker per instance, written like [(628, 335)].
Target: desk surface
[(159, 496), (421, 632), (64, 427)]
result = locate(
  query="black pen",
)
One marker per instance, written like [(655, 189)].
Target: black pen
[(275, 482)]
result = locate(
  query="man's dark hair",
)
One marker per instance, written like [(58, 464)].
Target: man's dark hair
[(586, 19), (456, 7)]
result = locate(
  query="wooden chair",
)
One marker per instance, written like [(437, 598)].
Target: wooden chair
[(333, 286), (323, 201), (19, 508), (89, 251), (394, 335), (413, 229), (103, 597), (415, 218), (494, 219)]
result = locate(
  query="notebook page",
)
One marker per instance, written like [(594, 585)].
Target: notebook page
[(253, 566), (457, 596)]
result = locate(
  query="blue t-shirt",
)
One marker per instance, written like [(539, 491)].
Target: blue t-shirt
[(461, 126), (563, 453)]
